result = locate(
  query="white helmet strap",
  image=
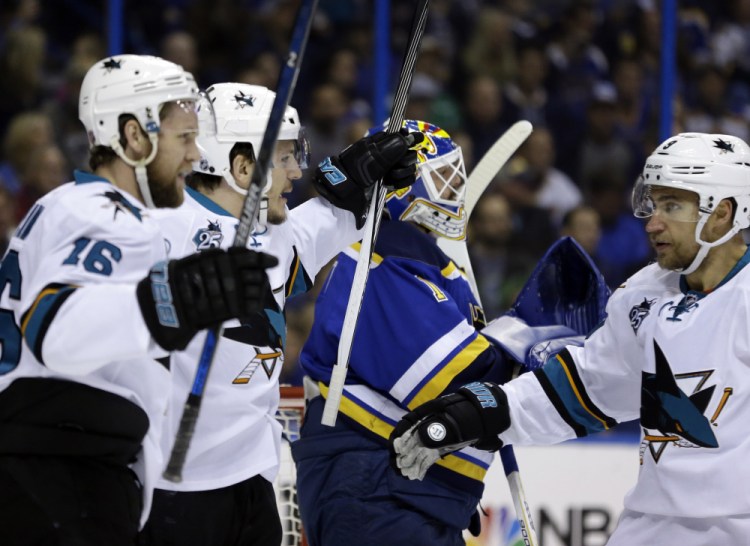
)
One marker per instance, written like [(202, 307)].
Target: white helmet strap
[(263, 206), (706, 246), (227, 175), (141, 176)]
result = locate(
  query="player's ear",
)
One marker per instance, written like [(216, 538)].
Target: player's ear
[(724, 211), (134, 138), (242, 168)]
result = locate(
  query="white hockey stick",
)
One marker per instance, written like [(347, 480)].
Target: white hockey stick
[(359, 282), (484, 172)]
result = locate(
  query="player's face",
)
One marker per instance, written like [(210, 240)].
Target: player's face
[(671, 228), (284, 172), (448, 181), (176, 154)]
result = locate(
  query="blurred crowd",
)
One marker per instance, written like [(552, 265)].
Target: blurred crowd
[(585, 73)]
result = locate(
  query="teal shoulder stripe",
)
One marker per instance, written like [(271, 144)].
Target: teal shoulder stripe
[(37, 320), (298, 281), (207, 203), (82, 177)]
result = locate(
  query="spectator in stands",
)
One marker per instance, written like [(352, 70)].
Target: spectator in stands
[(27, 131), (7, 218), (485, 118), (181, 48), (602, 145), (525, 97), (624, 246), (45, 170), (491, 51), (535, 182), (22, 56), (709, 111), (500, 265), (583, 224)]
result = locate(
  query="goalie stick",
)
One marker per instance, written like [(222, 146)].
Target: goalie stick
[(357, 294), (285, 87), (484, 172)]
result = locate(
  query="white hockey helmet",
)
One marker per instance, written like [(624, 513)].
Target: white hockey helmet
[(713, 166), (131, 84), (236, 112)]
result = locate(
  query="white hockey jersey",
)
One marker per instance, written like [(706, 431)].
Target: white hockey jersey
[(68, 289), (237, 436), (677, 360)]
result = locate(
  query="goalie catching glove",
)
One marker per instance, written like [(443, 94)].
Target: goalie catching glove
[(180, 297), (348, 181), (472, 416)]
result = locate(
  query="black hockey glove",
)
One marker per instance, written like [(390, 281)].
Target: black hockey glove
[(347, 181), (180, 297), (472, 416)]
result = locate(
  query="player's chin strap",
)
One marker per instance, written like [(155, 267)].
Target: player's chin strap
[(705, 246), (141, 176), (262, 206)]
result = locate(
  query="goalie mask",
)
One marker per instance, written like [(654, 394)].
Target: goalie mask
[(229, 113), (436, 200), (715, 167), (138, 85)]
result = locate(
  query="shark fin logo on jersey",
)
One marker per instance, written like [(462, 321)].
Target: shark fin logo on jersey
[(670, 416), (686, 304), (120, 204), (208, 237), (639, 312), (267, 358)]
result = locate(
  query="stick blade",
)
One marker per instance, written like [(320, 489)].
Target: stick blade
[(497, 156)]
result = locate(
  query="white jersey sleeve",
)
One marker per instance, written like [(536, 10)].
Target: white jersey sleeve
[(320, 232)]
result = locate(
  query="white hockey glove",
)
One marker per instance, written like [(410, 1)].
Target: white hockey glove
[(472, 416)]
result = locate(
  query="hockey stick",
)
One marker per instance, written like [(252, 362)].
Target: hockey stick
[(285, 87), (338, 373), (484, 172)]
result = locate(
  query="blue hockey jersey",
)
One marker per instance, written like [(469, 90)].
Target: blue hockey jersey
[(416, 339)]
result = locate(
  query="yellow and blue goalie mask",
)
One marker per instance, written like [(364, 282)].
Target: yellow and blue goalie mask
[(436, 200)]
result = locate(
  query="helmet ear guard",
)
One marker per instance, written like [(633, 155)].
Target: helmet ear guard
[(436, 200)]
